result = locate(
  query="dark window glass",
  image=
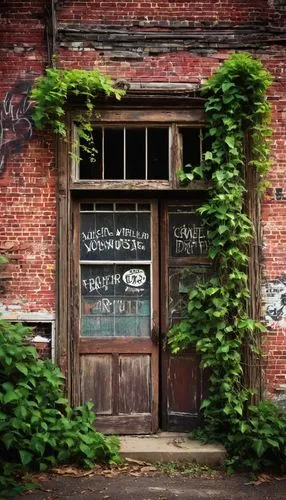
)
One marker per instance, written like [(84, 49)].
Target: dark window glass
[(191, 144), (86, 207), (90, 167), (135, 153), (113, 154), (158, 153)]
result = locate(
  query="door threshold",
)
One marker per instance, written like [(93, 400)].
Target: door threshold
[(171, 447)]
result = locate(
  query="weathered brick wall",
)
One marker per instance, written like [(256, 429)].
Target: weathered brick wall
[(122, 39), (28, 177), (127, 11)]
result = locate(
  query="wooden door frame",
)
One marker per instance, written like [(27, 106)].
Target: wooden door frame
[(173, 422), (132, 345)]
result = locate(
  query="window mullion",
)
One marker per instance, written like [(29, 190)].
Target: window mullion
[(102, 147), (146, 153), (201, 146), (124, 153)]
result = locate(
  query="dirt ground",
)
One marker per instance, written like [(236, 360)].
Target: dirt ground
[(146, 482)]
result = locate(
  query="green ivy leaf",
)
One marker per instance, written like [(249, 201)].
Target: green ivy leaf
[(26, 457), (22, 368)]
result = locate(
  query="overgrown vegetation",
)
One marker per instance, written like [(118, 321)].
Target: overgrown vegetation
[(218, 323), (189, 469), (52, 91), (38, 428)]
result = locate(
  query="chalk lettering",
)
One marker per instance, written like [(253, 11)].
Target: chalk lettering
[(110, 306), (103, 232), (134, 277), (98, 283), (127, 232), (190, 239), (94, 245)]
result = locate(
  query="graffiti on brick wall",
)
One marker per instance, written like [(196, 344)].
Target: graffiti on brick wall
[(275, 295), (15, 120)]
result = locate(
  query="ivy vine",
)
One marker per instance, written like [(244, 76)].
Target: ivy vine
[(218, 323), (52, 91)]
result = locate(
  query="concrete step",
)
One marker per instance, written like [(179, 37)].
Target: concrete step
[(171, 447)]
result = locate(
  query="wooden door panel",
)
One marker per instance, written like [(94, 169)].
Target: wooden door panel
[(183, 390), (134, 384), (96, 382), (184, 260), (116, 354)]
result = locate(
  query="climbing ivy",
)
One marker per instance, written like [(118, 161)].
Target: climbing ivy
[(52, 91), (218, 323)]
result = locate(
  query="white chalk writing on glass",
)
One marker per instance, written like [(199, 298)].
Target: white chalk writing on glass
[(103, 239), (106, 305), (190, 239), (132, 277), (97, 283)]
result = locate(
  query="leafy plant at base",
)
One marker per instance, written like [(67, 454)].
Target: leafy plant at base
[(53, 90), (218, 323), (38, 427)]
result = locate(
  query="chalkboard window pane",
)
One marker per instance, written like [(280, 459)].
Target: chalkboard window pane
[(158, 153), (135, 153), (115, 300), (113, 154), (115, 235), (187, 235)]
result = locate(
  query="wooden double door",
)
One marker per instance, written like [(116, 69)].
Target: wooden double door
[(134, 262)]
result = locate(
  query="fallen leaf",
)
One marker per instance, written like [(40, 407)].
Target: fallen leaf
[(149, 468), (72, 471), (133, 461)]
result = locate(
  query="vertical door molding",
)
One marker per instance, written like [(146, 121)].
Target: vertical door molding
[(63, 258)]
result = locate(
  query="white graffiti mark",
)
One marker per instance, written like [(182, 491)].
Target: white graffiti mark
[(121, 244), (15, 123), (104, 239), (188, 239), (98, 283), (275, 294), (134, 277), (113, 306)]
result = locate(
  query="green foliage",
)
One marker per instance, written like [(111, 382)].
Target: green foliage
[(189, 469), (260, 441), (3, 259), (38, 428), (52, 91), (54, 88), (218, 323)]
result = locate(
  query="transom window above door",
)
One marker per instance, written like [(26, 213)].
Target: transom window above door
[(145, 150), (128, 153)]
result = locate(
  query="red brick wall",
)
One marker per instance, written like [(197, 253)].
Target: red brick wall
[(28, 178), (127, 11), (28, 205)]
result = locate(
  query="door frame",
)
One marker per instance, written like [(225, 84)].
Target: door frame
[(116, 346), (186, 363)]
